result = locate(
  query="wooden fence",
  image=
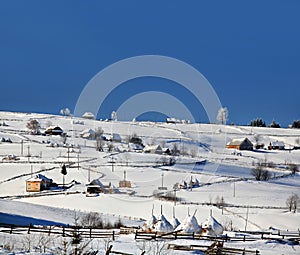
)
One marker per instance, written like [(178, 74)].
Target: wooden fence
[(63, 231), (247, 236)]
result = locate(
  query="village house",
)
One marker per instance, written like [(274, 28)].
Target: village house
[(277, 145), (155, 149), (96, 187), (54, 130), (240, 144), (38, 183)]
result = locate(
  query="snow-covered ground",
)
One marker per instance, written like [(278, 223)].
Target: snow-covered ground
[(219, 171)]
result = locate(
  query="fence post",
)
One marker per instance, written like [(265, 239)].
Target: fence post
[(63, 233), (113, 235), (262, 236), (90, 233), (244, 239), (28, 232), (11, 228), (49, 231), (108, 250)]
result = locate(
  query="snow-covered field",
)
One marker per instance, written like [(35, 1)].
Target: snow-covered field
[(220, 174)]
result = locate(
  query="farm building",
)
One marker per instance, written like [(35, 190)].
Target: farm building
[(88, 133), (54, 130), (97, 186), (277, 145), (240, 144), (153, 149), (38, 183)]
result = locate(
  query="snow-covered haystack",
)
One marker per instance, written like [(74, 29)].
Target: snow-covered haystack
[(211, 227), (175, 223), (149, 224), (162, 225), (189, 225)]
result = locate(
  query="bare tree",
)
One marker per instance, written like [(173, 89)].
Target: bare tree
[(114, 116), (260, 174), (99, 139), (92, 220), (65, 112), (293, 168), (222, 115), (34, 126), (292, 202)]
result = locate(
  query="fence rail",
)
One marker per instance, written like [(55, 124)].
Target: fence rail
[(91, 233), (248, 236)]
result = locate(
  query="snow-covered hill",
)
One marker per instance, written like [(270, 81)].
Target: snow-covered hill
[(221, 173)]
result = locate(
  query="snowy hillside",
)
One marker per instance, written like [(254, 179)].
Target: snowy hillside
[(223, 174)]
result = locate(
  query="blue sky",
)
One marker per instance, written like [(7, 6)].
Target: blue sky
[(248, 50)]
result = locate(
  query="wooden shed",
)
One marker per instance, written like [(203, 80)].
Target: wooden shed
[(240, 144)]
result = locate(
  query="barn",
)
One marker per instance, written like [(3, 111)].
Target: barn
[(240, 144), (54, 130)]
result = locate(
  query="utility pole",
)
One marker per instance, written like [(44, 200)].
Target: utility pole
[(162, 180), (233, 189), (78, 161), (89, 174), (68, 155), (28, 152), (112, 163), (247, 215), (22, 144)]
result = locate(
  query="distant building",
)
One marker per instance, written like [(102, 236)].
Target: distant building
[(38, 183), (124, 184), (88, 115), (96, 187), (54, 130), (88, 134), (277, 145), (153, 149), (240, 144)]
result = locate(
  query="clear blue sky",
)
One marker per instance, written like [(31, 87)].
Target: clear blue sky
[(248, 50)]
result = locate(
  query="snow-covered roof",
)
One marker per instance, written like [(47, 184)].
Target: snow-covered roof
[(152, 148), (87, 131), (39, 177), (277, 144), (237, 141), (88, 115)]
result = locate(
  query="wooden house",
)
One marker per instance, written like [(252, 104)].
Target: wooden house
[(38, 183), (240, 144), (54, 130)]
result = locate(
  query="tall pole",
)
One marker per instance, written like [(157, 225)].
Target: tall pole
[(162, 179), (247, 215), (233, 189), (22, 144), (89, 175), (68, 154), (78, 161)]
